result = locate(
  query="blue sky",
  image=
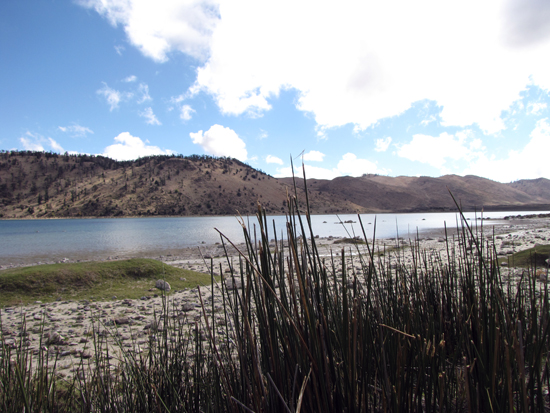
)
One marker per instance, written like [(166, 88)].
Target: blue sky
[(394, 88)]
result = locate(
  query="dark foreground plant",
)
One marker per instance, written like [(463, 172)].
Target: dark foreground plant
[(359, 330)]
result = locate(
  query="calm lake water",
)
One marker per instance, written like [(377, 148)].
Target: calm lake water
[(45, 240)]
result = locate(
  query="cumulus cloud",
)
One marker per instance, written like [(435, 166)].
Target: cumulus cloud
[(130, 79), (529, 163), (128, 147), (373, 63), (382, 145), (150, 117), (76, 131), (160, 27), (273, 159), (113, 97), (221, 141), (349, 165), (527, 21), (437, 150), (353, 166), (35, 142), (315, 156), (186, 112)]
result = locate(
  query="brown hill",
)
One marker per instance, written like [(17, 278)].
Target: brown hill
[(47, 185), (535, 187), (44, 185), (408, 194)]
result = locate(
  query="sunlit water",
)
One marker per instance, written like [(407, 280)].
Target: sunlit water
[(37, 240)]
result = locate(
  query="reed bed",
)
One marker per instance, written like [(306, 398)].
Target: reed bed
[(306, 333)]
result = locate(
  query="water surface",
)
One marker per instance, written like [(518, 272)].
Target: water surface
[(53, 239)]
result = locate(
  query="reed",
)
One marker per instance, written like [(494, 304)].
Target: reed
[(359, 330)]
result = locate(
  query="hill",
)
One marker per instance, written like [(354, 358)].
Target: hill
[(49, 185), (411, 194)]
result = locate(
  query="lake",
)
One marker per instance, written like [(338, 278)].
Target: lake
[(45, 240)]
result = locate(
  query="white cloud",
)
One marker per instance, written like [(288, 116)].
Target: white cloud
[(130, 147), (177, 99), (315, 156), (31, 145), (382, 145), (349, 165), (527, 22), (221, 141), (375, 61), (119, 49), (150, 117), (144, 90), (114, 97), (263, 134), (536, 108), (76, 131), (529, 163), (273, 159), (55, 146), (35, 142), (436, 150), (160, 27), (130, 79), (186, 112), (353, 166)]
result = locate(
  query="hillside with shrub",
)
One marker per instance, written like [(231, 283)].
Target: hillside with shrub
[(50, 185)]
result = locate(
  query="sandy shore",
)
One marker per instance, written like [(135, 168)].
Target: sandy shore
[(65, 329)]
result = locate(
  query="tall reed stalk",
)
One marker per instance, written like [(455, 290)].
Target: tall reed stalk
[(360, 330)]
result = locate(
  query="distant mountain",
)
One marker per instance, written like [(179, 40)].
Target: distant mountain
[(535, 187), (48, 185), (409, 194)]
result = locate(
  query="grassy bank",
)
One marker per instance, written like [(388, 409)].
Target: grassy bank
[(529, 258), (101, 280), (304, 333)]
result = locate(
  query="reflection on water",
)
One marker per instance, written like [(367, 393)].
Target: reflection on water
[(22, 240)]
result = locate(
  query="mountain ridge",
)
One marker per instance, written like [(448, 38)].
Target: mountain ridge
[(50, 185)]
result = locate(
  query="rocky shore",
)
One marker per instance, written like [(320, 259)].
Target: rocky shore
[(67, 330)]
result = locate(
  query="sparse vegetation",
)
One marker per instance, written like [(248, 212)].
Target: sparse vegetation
[(310, 334), (534, 258), (48, 185), (101, 280)]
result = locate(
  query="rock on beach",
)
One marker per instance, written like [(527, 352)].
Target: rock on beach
[(163, 285)]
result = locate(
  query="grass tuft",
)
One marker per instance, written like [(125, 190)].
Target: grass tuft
[(102, 280)]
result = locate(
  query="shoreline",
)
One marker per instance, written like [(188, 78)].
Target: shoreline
[(193, 255), (491, 208), (66, 329)]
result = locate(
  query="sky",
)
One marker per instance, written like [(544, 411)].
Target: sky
[(423, 88)]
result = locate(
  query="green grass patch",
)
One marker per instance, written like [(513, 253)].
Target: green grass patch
[(101, 280), (532, 257)]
